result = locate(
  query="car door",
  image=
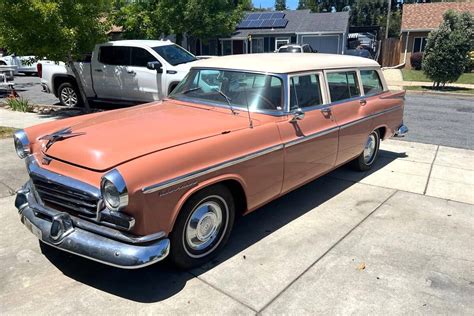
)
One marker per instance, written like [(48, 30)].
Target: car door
[(348, 108), (310, 141), (109, 71), (141, 83)]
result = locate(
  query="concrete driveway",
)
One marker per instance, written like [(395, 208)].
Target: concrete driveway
[(395, 240)]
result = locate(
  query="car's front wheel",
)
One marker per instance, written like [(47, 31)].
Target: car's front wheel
[(367, 158), (69, 95), (202, 227)]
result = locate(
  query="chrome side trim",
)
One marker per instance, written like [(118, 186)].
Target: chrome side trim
[(199, 173), (310, 137), (369, 117), (33, 168), (202, 172)]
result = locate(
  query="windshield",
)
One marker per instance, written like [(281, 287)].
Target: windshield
[(174, 54), (290, 49), (242, 89)]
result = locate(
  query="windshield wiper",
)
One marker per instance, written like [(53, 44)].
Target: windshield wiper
[(190, 90), (227, 99)]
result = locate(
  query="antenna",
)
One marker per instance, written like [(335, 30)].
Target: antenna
[(248, 108)]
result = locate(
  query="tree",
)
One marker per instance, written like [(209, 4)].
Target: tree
[(202, 19), (60, 30), (280, 5), (446, 53)]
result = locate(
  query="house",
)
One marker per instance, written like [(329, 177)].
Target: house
[(261, 32), (418, 20)]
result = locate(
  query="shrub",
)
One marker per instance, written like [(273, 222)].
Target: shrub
[(19, 104), (416, 60), (446, 53)]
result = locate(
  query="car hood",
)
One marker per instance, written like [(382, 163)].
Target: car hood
[(109, 139)]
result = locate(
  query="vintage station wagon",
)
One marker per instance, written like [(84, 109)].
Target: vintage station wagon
[(132, 186)]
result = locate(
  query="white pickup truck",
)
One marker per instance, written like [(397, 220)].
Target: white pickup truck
[(129, 71)]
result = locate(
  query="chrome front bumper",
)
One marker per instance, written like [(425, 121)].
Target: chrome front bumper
[(67, 233), (401, 131)]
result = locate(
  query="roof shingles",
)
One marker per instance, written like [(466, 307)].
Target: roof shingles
[(428, 16)]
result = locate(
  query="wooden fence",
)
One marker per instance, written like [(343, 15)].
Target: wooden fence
[(390, 54)]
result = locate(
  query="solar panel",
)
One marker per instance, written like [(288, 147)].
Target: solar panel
[(255, 23), (266, 15), (280, 22), (244, 24), (267, 23), (278, 15), (253, 16)]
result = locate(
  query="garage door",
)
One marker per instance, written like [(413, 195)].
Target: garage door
[(322, 43)]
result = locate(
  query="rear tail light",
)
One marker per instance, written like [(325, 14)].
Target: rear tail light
[(39, 70)]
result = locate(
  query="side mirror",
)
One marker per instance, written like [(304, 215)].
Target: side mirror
[(298, 115), (155, 65)]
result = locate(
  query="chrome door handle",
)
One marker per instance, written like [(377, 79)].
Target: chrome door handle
[(326, 111), (98, 70), (363, 102)]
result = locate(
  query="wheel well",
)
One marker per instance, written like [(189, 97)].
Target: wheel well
[(238, 193), (382, 130), (2, 63), (172, 86), (58, 80)]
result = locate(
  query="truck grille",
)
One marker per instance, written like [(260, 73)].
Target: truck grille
[(65, 198)]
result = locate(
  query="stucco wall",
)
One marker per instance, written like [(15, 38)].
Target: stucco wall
[(411, 39)]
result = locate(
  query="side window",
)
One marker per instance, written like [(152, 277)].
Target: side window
[(343, 85), (305, 91), (114, 55), (371, 82), (141, 57)]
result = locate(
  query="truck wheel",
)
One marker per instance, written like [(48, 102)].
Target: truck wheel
[(366, 159), (69, 95), (202, 227)]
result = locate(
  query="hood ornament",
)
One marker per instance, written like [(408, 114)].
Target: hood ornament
[(59, 135)]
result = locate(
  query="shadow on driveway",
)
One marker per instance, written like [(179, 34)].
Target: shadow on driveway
[(161, 281)]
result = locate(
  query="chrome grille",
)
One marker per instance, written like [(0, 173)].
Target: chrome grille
[(65, 198)]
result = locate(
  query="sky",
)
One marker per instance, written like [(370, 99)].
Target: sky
[(292, 4)]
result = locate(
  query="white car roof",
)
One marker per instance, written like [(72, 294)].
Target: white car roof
[(149, 43), (285, 62)]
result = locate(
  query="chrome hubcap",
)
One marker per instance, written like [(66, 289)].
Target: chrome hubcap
[(370, 149), (204, 225), (69, 97)]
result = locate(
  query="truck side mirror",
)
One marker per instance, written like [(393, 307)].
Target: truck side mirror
[(155, 65)]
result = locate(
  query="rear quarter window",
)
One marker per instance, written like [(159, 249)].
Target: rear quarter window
[(343, 85)]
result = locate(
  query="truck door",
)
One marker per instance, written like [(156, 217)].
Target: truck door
[(141, 83), (109, 71)]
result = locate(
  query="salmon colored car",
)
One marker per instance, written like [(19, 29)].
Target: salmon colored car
[(132, 186)]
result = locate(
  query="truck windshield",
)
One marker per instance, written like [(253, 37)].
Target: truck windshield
[(174, 54), (242, 89)]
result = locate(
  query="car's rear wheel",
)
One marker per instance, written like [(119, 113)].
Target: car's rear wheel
[(202, 227), (367, 158), (68, 95)]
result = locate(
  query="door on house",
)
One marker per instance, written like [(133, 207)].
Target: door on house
[(238, 47)]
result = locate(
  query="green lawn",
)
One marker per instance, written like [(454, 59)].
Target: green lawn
[(418, 75), (446, 89)]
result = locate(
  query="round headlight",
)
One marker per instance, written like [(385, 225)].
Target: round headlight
[(22, 144), (114, 190), (111, 195)]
